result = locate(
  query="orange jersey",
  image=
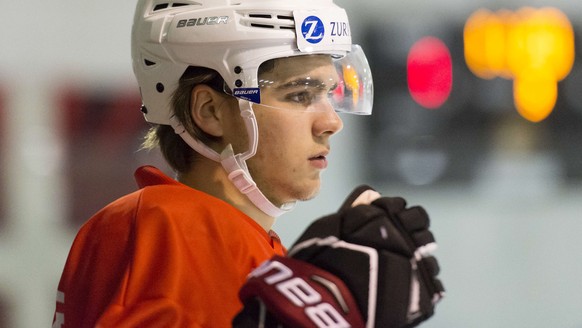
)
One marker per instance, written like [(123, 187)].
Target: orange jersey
[(166, 255)]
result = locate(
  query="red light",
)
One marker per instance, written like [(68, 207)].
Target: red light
[(430, 72)]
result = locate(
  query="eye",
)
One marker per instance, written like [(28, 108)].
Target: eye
[(304, 97), (336, 92), (334, 88)]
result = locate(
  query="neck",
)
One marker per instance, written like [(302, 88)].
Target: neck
[(208, 176)]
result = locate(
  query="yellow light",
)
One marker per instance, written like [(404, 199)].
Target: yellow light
[(541, 40), (560, 40), (517, 53), (535, 96), (533, 46)]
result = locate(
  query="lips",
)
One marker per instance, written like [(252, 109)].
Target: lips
[(319, 161)]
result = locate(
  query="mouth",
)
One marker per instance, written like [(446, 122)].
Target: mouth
[(320, 160)]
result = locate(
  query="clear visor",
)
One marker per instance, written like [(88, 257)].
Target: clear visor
[(317, 82)]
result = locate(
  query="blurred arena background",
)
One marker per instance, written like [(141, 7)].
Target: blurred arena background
[(502, 181)]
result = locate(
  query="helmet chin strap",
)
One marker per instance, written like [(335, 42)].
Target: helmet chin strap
[(235, 164)]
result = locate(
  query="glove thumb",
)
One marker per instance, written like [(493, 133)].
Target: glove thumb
[(361, 195), (330, 225)]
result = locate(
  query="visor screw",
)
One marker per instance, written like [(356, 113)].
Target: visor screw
[(143, 109), (237, 69), (160, 87), (238, 83)]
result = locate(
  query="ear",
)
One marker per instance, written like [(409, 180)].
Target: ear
[(205, 107)]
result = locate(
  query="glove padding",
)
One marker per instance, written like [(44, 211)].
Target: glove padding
[(285, 292), (382, 251)]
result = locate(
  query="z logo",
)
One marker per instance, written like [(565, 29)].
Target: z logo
[(312, 29)]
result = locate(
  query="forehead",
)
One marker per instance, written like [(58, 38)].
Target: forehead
[(298, 67)]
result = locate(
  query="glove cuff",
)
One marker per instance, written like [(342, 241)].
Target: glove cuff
[(299, 294)]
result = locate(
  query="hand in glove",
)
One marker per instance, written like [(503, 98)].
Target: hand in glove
[(370, 264), (382, 250)]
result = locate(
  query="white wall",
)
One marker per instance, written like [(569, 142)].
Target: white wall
[(508, 253)]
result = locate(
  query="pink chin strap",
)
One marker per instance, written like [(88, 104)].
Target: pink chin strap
[(235, 164)]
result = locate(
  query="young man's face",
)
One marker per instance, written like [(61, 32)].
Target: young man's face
[(296, 121)]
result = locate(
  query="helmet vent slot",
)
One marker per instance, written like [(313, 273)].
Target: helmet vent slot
[(262, 25), (161, 6), (268, 20), (260, 16), (148, 62), (166, 5)]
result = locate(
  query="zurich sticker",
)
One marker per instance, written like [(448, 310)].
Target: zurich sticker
[(312, 29)]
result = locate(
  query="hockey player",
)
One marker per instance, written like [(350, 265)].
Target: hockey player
[(243, 99)]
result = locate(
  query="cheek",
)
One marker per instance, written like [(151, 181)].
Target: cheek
[(280, 134), (271, 145), (236, 134)]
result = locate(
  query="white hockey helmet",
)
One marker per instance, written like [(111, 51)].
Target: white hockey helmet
[(234, 37)]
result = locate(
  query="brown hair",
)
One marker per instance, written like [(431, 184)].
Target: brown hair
[(175, 150)]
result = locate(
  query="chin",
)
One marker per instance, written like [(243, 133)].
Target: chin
[(286, 191), (308, 191), (294, 193)]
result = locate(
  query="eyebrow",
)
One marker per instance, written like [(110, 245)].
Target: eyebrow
[(317, 83)]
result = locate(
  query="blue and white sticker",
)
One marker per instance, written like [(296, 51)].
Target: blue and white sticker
[(322, 30), (312, 29), (250, 94)]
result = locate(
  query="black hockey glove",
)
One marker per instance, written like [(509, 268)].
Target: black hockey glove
[(382, 251)]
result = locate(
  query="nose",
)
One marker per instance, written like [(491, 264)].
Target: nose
[(327, 121)]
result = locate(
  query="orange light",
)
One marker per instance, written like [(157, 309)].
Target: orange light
[(475, 45), (485, 36), (496, 43), (352, 82)]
